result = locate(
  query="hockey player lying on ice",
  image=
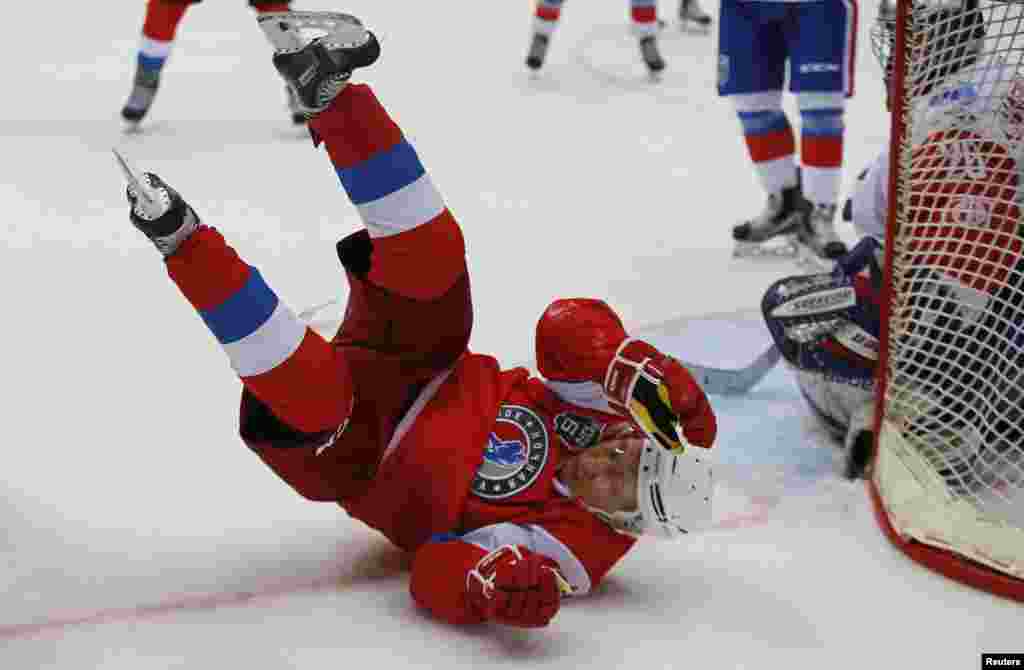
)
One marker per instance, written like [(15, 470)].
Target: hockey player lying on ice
[(969, 123), (512, 491)]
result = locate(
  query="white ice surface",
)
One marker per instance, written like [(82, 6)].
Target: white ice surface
[(139, 533)]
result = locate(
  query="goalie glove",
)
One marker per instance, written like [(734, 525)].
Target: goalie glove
[(660, 396), (515, 586)]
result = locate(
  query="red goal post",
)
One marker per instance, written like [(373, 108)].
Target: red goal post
[(947, 480)]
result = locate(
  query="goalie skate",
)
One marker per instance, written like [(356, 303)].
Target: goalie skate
[(316, 53)]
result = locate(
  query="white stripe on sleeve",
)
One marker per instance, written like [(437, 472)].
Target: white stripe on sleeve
[(402, 210), (269, 346)]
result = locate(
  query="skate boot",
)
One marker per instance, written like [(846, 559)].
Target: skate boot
[(141, 98), (651, 55), (318, 70), (538, 51), (819, 232), (157, 210), (690, 11), (785, 214)]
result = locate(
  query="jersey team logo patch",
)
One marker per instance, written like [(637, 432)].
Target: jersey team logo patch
[(515, 454), (577, 431)]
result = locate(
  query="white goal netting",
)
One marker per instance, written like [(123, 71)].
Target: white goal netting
[(949, 472)]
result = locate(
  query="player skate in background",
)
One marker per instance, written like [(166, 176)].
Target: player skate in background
[(961, 230), (692, 14), (816, 37), (158, 31), (643, 19), (513, 491)]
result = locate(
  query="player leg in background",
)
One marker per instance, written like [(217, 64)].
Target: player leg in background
[(821, 39), (545, 21), (158, 31), (751, 72), (267, 7), (643, 15)]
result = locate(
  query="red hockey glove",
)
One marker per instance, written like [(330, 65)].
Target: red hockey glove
[(659, 394), (515, 586)]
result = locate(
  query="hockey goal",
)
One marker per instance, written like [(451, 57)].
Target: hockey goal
[(947, 480)]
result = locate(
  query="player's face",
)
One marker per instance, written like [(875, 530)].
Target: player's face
[(605, 475)]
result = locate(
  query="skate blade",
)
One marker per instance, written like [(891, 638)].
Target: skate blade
[(776, 249), (131, 127), (149, 203), (692, 28), (655, 76), (688, 25), (289, 32)]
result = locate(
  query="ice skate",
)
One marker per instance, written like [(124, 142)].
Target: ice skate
[(819, 232), (316, 53), (141, 97), (692, 14), (652, 56), (157, 210), (538, 51), (772, 232)]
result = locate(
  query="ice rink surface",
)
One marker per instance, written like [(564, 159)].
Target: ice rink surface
[(139, 533)]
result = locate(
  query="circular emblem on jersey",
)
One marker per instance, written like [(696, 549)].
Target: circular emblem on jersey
[(515, 454)]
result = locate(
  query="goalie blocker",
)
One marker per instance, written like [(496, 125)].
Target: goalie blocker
[(826, 326)]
